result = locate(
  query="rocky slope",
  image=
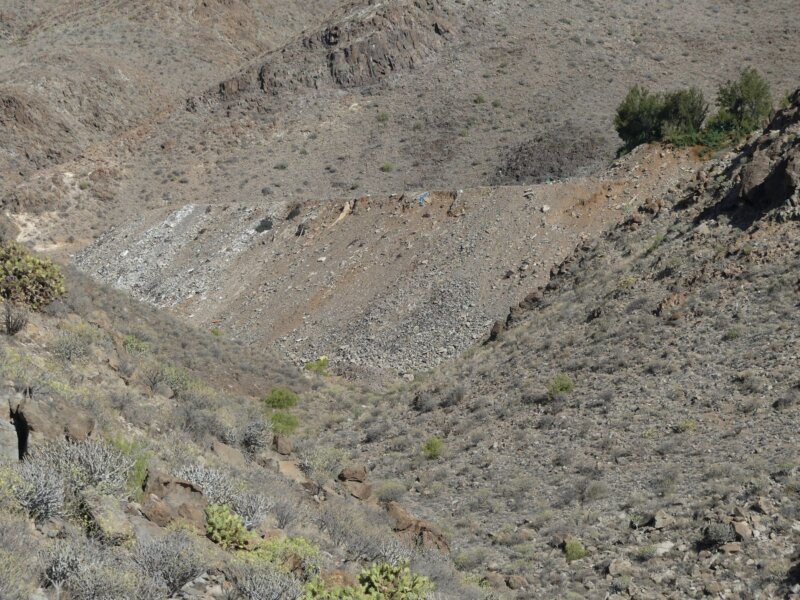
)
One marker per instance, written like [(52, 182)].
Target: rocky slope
[(123, 431), (642, 403), (384, 286), (77, 74)]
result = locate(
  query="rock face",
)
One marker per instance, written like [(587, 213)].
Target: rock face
[(767, 175), (38, 420), (420, 532), (9, 446), (358, 46), (169, 498)]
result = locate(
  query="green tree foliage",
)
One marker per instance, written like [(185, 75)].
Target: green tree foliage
[(281, 398), (744, 104), (679, 117), (682, 116), (639, 117), (27, 279)]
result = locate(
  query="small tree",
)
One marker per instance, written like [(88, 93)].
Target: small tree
[(745, 104), (639, 117), (682, 115)]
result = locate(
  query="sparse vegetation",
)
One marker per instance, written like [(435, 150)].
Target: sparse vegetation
[(319, 366), (561, 385), (574, 550), (16, 317)]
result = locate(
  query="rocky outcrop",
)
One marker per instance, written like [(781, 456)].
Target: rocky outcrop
[(771, 178), (418, 531), (358, 46), (37, 420), (765, 176), (169, 498), (354, 473), (106, 517)]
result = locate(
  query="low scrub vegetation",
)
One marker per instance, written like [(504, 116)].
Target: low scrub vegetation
[(27, 279), (433, 448), (281, 398)]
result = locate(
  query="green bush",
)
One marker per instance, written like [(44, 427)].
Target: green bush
[(282, 553), (745, 104), (284, 422), (134, 345), (281, 398), (574, 550), (433, 448), (639, 117), (319, 366), (27, 279), (377, 582), (678, 117), (682, 116), (394, 582), (560, 386), (225, 528)]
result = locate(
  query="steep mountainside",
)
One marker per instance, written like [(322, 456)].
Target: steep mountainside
[(643, 403), (142, 459)]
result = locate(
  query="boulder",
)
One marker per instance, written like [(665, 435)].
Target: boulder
[(619, 567), (360, 491), (228, 454), (49, 420), (282, 444), (107, 517), (420, 532), (169, 498), (354, 473)]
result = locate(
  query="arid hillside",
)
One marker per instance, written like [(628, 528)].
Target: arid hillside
[(381, 286), (630, 431), (272, 103), (361, 300)]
